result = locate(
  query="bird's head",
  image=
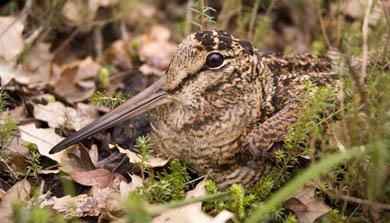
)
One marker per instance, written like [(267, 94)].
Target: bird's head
[(210, 68)]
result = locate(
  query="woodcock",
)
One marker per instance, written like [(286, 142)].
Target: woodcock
[(221, 106)]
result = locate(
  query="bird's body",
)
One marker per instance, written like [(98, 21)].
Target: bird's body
[(224, 104)]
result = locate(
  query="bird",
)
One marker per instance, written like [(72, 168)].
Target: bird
[(221, 106)]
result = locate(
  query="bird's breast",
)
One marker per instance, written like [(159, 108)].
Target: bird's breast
[(208, 139)]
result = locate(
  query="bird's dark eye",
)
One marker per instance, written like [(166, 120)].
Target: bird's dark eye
[(214, 60)]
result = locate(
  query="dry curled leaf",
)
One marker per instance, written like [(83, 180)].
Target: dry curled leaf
[(11, 41), (155, 49), (192, 213), (134, 157), (94, 203), (45, 139), (306, 205), (82, 13), (18, 191), (76, 81), (99, 177), (57, 115), (76, 158)]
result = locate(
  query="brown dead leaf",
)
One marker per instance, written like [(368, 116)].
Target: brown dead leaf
[(141, 16), (306, 205), (81, 13), (76, 80), (53, 113), (147, 69), (2, 192), (45, 139), (35, 72), (82, 116), (10, 71), (38, 66), (76, 158), (94, 154), (56, 115), (93, 203), (126, 188), (134, 157), (117, 55), (19, 191), (192, 213), (18, 114), (155, 49), (99, 177), (11, 41), (17, 152)]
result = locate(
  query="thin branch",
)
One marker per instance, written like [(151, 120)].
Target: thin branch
[(187, 24), (323, 29), (253, 19), (201, 9), (363, 72), (387, 16)]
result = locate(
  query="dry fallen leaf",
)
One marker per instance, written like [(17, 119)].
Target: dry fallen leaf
[(11, 71), (99, 177), (45, 139), (76, 158), (19, 191), (306, 205), (76, 81), (93, 203), (126, 188), (155, 49), (56, 115), (117, 55), (192, 213), (134, 157), (81, 13), (38, 66), (18, 114), (11, 41)]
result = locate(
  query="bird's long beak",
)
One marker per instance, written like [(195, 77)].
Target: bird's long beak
[(151, 97)]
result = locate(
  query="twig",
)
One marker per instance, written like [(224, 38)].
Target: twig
[(187, 24), (363, 72), (123, 29), (386, 13), (358, 200), (239, 17), (323, 29), (31, 38), (270, 7), (340, 21), (98, 41), (253, 19), (199, 178), (201, 9), (355, 76)]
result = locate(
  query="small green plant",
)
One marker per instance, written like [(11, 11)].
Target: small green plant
[(144, 149), (104, 77), (201, 12), (109, 100), (25, 213), (33, 159), (243, 202), (169, 184), (7, 125), (23, 56)]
